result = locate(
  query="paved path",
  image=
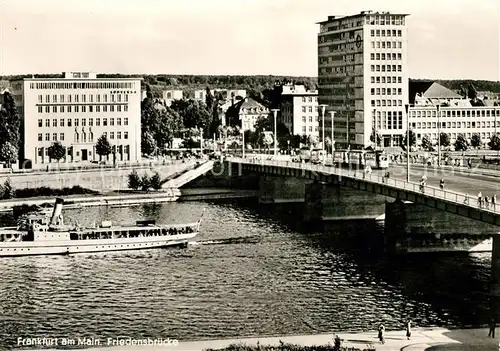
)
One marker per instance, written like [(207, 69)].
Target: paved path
[(431, 339)]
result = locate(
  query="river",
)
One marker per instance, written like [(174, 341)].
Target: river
[(252, 270)]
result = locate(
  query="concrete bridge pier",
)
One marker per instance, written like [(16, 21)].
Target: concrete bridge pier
[(495, 279), (326, 201), (412, 227), (281, 189)]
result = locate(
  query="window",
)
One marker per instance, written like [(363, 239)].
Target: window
[(54, 137), (69, 122), (119, 108), (69, 98), (76, 122), (47, 123), (40, 137), (104, 122), (97, 122), (112, 135), (91, 108), (303, 107), (47, 136), (76, 109), (84, 108), (61, 136), (40, 99), (40, 109), (84, 122), (69, 108), (47, 109), (54, 98), (105, 108), (54, 123), (111, 121), (112, 108), (47, 98), (105, 134), (91, 98), (105, 97), (125, 108), (118, 121), (40, 123), (118, 135), (125, 135), (125, 122), (61, 122), (83, 98), (91, 122), (76, 98), (98, 97)]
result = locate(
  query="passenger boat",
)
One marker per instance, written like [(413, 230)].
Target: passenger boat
[(39, 235)]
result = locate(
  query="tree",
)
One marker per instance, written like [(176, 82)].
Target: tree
[(103, 147), (494, 143), (155, 181), (413, 139), (148, 143), (8, 191), (475, 140), (10, 124), (193, 113), (375, 137), (312, 141), (56, 151), (134, 181), (161, 123), (461, 144), (426, 142), (8, 153), (328, 144), (444, 139)]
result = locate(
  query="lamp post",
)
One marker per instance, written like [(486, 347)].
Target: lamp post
[(332, 116), (407, 144), (243, 143), (439, 136), (323, 107), (275, 112)]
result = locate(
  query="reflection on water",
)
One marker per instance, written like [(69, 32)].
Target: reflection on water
[(253, 270)]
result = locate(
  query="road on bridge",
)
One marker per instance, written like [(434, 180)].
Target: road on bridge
[(454, 179)]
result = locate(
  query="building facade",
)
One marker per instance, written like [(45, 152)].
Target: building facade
[(75, 111), (363, 77), (299, 110), (171, 95), (227, 94), (245, 114)]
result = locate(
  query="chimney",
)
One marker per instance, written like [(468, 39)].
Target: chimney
[(57, 211)]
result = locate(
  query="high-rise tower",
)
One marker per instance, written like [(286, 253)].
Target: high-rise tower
[(363, 77)]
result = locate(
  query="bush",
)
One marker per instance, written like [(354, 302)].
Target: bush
[(145, 182), (134, 181), (45, 191), (286, 347), (155, 181), (8, 191)]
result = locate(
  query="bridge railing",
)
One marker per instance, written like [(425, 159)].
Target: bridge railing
[(399, 184)]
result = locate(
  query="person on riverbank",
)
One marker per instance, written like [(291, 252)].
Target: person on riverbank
[(492, 326), (408, 329), (381, 334)]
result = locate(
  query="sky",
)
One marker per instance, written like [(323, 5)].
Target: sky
[(447, 39)]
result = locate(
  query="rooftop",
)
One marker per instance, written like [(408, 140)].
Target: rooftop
[(361, 14)]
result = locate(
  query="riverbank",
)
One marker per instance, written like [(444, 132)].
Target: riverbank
[(422, 339), (124, 199)]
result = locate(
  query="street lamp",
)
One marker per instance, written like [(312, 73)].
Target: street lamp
[(407, 144), (323, 107), (243, 143), (439, 136), (332, 116), (275, 112)]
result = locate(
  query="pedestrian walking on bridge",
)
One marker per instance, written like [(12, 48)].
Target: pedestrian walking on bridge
[(480, 199), (486, 202), (441, 184), (494, 201), (492, 325), (381, 334), (408, 329)]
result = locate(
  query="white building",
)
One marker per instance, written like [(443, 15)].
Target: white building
[(227, 94), (436, 109), (171, 95), (76, 110), (363, 77), (299, 110)]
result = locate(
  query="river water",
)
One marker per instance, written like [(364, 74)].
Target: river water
[(252, 270)]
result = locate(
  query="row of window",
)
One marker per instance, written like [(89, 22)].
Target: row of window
[(310, 99), (383, 56), (119, 148), (76, 98), (84, 136), (383, 91), (84, 122), (383, 68), (81, 85), (394, 20), (390, 121), (456, 113), (483, 135), (78, 109), (387, 44), (468, 124), (383, 103), (310, 129), (305, 108), (388, 80), (310, 119), (386, 33)]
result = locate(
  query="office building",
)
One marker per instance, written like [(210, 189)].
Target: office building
[(76, 110), (363, 77)]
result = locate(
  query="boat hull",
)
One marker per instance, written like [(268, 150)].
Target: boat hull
[(68, 247)]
